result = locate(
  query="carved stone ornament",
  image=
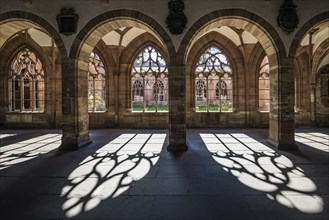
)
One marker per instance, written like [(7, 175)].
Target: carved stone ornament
[(288, 19), (67, 21), (176, 19)]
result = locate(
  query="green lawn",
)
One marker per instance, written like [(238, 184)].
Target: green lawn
[(163, 108), (226, 107)]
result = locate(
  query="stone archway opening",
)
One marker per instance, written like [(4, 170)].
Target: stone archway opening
[(312, 54), (117, 30), (21, 30), (281, 123)]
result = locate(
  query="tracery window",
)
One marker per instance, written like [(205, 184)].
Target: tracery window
[(26, 83), (213, 82), (96, 84), (137, 91), (201, 90), (323, 81), (158, 91), (264, 86), (149, 80)]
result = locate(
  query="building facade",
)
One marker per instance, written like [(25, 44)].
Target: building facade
[(232, 66)]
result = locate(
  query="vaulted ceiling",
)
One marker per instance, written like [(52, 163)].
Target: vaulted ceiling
[(123, 36)]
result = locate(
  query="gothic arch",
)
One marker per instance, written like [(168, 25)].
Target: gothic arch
[(133, 48), (107, 56), (318, 19), (239, 18), (319, 55), (75, 113), (104, 23), (13, 22), (14, 45), (281, 114), (110, 67), (96, 28), (131, 51), (8, 52), (33, 20), (234, 56), (306, 65)]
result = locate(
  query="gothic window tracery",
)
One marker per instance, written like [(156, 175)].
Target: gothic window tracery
[(158, 91), (137, 91), (213, 82), (149, 80), (26, 83)]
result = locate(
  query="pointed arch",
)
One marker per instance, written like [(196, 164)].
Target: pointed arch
[(128, 55), (134, 47), (76, 84), (96, 28), (12, 23), (28, 91), (215, 71), (314, 21), (149, 69), (235, 56), (31, 20), (239, 18)]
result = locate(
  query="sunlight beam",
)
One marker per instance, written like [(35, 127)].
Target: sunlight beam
[(316, 140), (2, 136), (22, 151), (111, 171), (261, 168)]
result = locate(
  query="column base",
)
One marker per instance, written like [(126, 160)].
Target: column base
[(73, 146), (177, 147), (283, 146)]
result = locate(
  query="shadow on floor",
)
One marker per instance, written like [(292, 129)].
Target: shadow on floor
[(128, 174)]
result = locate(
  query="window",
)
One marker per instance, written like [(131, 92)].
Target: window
[(137, 91), (149, 82), (323, 80), (26, 83), (158, 91), (201, 90), (264, 86), (96, 84), (213, 82)]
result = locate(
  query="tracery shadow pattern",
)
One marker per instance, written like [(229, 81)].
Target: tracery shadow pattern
[(263, 169), (111, 171)]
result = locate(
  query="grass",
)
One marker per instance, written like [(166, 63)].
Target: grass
[(151, 108), (226, 107)]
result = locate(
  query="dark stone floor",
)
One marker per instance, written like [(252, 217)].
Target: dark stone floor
[(129, 174)]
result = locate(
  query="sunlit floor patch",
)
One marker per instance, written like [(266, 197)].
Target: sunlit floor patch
[(263, 169), (22, 151), (6, 135), (111, 171), (316, 140)]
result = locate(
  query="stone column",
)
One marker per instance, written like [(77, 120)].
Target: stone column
[(313, 103), (177, 109), (281, 121), (3, 96), (75, 123)]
